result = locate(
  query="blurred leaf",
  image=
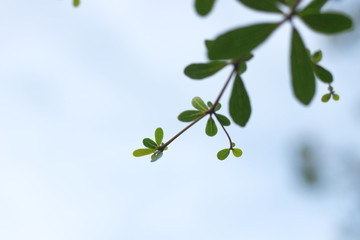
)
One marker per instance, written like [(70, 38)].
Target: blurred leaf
[(223, 154), (203, 70), (189, 116), (241, 68), (211, 129), (203, 7), (237, 152), (159, 135), (287, 2), (217, 108), (326, 97), (328, 22), (323, 74), (239, 106), (239, 42), (142, 152), (76, 3), (149, 143), (233, 144), (199, 104), (316, 57), (303, 80), (313, 7), (261, 5), (336, 97), (156, 156), (223, 119)]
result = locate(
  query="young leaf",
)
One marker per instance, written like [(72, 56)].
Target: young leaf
[(261, 5), (203, 70), (217, 108), (223, 120), (237, 152), (303, 80), (313, 7), (203, 7), (223, 154), (328, 23), (149, 143), (241, 68), (211, 129), (316, 57), (326, 97), (336, 97), (156, 156), (189, 116), (159, 135), (239, 106), (76, 3), (199, 104), (239, 42), (323, 74), (142, 152)]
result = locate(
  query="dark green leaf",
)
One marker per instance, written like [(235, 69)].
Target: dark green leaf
[(336, 97), (199, 104), (203, 7), (223, 154), (189, 116), (313, 7), (142, 152), (262, 5), (328, 22), (203, 70), (241, 68), (237, 152), (239, 42), (316, 57), (159, 135), (223, 120), (76, 3), (303, 80), (156, 156), (287, 2), (149, 143), (217, 108), (211, 129), (326, 97), (239, 106), (323, 74)]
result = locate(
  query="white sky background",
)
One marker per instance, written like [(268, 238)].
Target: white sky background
[(80, 88)]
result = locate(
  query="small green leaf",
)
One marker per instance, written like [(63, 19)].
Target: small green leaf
[(159, 135), (223, 119), (233, 144), (203, 70), (211, 129), (328, 23), (241, 68), (313, 7), (316, 57), (239, 106), (76, 3), (261, 5), (239, 42), (323, 74), (326, 97), (190, 115), (203, 7), (223, 154), (199, 104), (336, 97), (303, 79), (237, 152), (149, 143), (142, 152), (217, 108), (156, 156)]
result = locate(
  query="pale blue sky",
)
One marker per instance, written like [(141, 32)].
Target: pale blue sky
[(80, 88)]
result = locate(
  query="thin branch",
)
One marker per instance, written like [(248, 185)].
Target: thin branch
[(226, 132)]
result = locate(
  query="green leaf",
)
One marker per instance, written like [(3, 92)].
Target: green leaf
[(323, 74), (76, 3), (303, 79), (313, 7), (239, 42), (239, 106), (203, 7), (223, 154), (204, 70), (316, 57), (287, 2), (329, 23), (149, 143), (199, 104), (189, 116), (241, 68), (142, 152), (156, 156), (223, 119), (233, 144), (217, 108), (336, 97), (211, 128), (262, 5), (326, 97), (159, 135), (237, 152)]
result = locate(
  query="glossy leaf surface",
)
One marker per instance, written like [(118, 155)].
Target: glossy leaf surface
[(203, 70), (239, 106)]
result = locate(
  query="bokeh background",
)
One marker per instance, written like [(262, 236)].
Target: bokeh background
[(81, 87)]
